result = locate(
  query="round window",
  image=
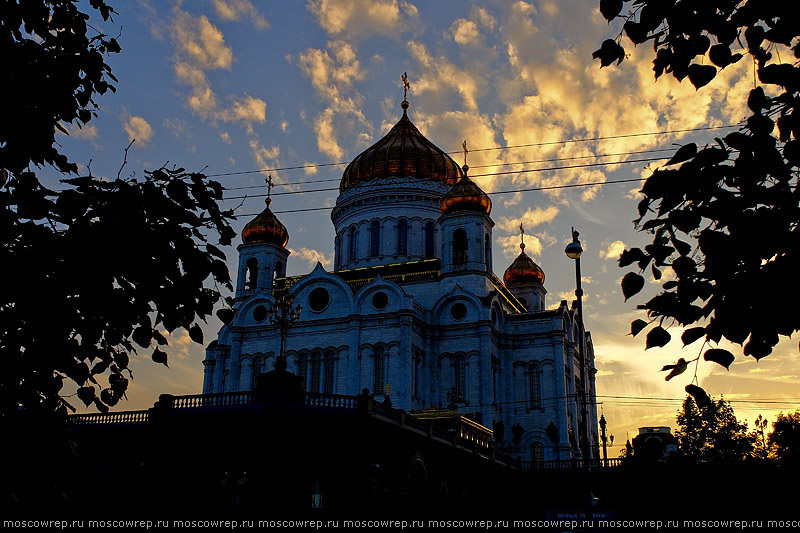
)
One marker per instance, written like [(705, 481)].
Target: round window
[(380, 300), (458, 311), (259, 313), (318, 299)]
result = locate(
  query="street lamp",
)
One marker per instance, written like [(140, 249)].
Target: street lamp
[(574, 251), (283, 315)]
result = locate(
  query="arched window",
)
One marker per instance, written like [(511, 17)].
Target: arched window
[(430, 236), (534, 388), (329, 362), (258, 368), (402, 237), (487, 252), (460, 379), (495, 380), (316, 364), (380, 370), (460, 247), (416, 386), (252, 273), (537, 453), (375, 239), (302, 370), (280, 270), (353, 244)]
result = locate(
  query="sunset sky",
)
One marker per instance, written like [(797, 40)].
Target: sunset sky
[(229, 87)]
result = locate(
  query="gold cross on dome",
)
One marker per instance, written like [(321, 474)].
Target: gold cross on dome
[(269, 189), (406, 85), (464, 145), (522, 236)]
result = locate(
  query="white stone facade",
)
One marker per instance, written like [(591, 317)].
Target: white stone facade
[(408, 313)]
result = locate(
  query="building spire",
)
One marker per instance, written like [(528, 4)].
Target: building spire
[(522, 237), (465, 168), (269, 190), (406, 87)]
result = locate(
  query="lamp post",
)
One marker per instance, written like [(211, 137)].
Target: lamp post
[(283, 315), (603, 438), (574, 251)]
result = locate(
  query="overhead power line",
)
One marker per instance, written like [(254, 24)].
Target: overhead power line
[(492, 148), (473, 167), (544, 188), (564, 167)]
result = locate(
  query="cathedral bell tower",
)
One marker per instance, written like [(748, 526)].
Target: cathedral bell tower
[(525, 279), (263, 253), (466, 226)]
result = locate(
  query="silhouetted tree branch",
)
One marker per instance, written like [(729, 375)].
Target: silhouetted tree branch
[(98, 269), (724, 217)]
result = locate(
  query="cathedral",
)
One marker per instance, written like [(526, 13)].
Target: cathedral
[(412, 312)]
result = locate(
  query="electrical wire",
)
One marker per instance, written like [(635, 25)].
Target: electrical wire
[(551, 160), (529, 145), (564, 167), (543, 188)]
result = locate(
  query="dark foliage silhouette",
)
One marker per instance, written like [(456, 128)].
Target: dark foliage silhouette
[(724, 217), (98, 268)]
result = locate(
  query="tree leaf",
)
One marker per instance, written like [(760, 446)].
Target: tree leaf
[(196, 334), (225, 315), (692, 334), (86, 395), (635, 31), (684, 153), (160, 357), (701, 75), (610, 8), (631, 284), (678, 368), (609, 52), (700, 397), (657, 338), (637, 326), (719, 356)]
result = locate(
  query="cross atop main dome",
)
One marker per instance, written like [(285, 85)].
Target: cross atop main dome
[(404, 153)]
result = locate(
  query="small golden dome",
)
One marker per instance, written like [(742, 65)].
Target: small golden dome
[(403, 152), (265, 227), (466, 196), (523, 270)]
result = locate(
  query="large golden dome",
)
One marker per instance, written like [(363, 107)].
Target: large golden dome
[(523, 270), (403, 152), (265, 227), (466, 196)]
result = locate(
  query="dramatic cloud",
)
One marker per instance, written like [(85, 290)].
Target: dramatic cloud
[(235, 10), (529, 219), (137, 128), (332, 73), (200, 41), (200, 47), (83, 132), (613, 251), (361, 18), (312, 257)]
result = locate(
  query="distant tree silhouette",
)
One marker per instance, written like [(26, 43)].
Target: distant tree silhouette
[(784, 440), (712, 434), (724, 217), (99, 267)]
